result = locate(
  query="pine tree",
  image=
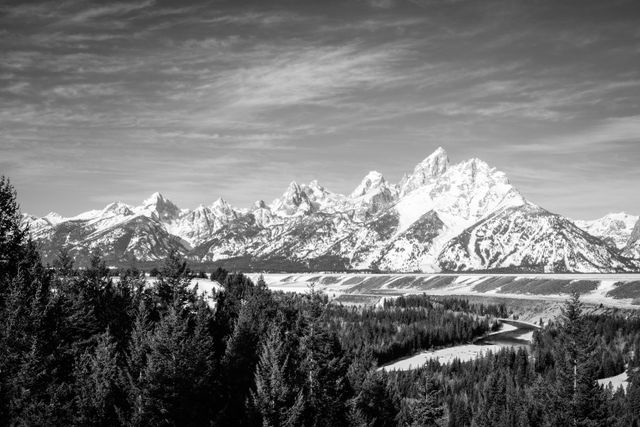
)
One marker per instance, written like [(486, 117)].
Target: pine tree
[(136, 363), (633, 389), (100, 386), (580, 397), (64, 263), (237, 366), (277, 398), (27, 329), (176, 383), (374, 406), (325, 368), (426, 409), (12, 234)]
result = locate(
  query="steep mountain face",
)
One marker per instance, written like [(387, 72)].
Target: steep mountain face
[(199, 225), (162, 209), (529, 238), (426, 171), (294, 202), (615, 228), (413, 249), (464, 216), (373, 195), (135, 237), (632, 248), (462, 195)]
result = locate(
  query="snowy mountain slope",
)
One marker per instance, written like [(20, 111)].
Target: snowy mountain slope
[(614, 227), (441, 215), (139, 237), (528, 237), (461, 196), (373, 195), (632, 248), (416, 248), (162, 209), (294, 202), (136, 237), (235, 239), (200, 224)]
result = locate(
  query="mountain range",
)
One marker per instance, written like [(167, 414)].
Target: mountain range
[(440, 217)]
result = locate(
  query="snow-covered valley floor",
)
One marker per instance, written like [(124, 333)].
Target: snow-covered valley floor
[(595, 289)]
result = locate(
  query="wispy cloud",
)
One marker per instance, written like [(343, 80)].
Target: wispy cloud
[(312, 75), (297, 91), (600, 137), (109, 10)]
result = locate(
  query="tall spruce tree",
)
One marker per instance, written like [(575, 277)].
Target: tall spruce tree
[(27, 330), (100, 386), (373, 405), (633, 389), (12, 234), (426, 409), (277, 398), (581, 398), (177, 378)]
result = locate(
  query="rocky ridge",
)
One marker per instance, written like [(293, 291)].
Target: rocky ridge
[(441, 216)]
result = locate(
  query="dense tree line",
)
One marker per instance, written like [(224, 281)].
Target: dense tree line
[(448, 303), (401, 329), (84, 347)]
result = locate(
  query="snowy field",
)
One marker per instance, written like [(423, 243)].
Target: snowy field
[(596, 288), (464, 353), (616, 382)]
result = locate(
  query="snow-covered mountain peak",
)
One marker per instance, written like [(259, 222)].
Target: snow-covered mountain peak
[(613, 227), (315, 185), (465, 193), (478, 168), (293, 190), (426, 171), (315, 191), (163, 208), (293, 202), (221, 208), (220, 203), (436, 161), (153, 199), (54, 218), (117, 208), (372, 182)]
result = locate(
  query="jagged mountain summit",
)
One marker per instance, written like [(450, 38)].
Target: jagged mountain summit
[(426, 171), (614, 228), (440, 216)]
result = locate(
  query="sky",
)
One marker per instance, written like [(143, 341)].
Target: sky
[(104, 101)]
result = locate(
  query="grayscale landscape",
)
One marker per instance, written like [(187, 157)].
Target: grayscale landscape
[(311, 213)]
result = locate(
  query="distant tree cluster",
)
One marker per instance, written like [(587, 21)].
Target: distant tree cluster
[(401, 329)]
